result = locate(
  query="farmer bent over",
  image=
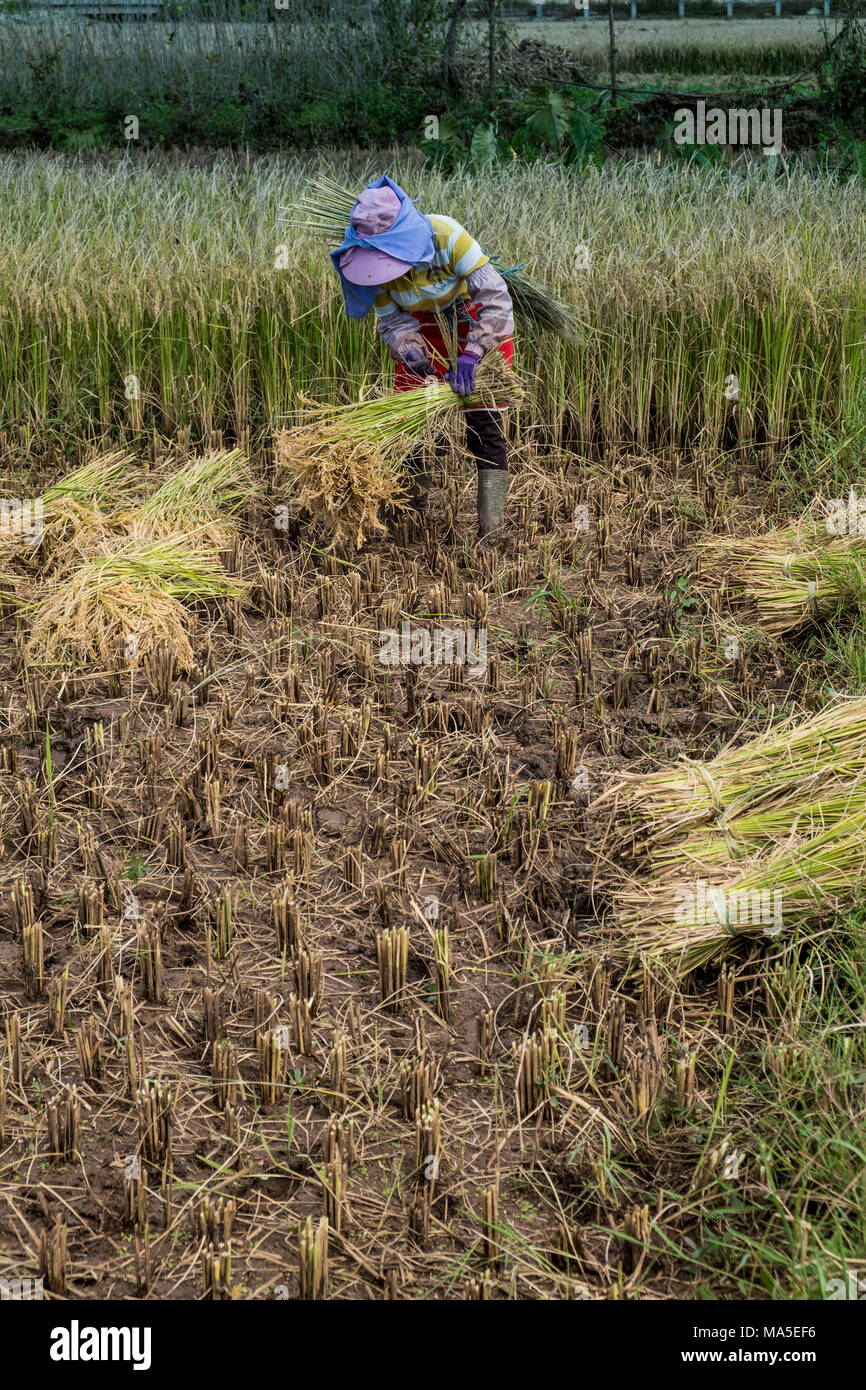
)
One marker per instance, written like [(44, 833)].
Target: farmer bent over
[(407, 267)]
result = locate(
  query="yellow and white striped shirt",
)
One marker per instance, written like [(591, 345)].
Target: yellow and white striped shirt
[(425, 288)]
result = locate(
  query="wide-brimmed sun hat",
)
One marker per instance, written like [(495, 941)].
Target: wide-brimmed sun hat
[(375, 212)]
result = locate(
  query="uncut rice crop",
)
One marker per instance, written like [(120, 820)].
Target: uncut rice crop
[(326, 208), (233, 316), (713, 46)]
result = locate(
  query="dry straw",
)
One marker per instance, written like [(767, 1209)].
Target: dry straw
[(787, 765), (342, 485), (789, 577), (127, 601)]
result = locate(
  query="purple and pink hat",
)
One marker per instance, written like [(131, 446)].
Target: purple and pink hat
[(375, 212)]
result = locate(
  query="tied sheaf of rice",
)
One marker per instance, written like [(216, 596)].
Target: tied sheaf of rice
[(344, 462), (791, 576), (203, 494), (73, 503), (793, 886), (783, 814), (107, 575), (138, 587)]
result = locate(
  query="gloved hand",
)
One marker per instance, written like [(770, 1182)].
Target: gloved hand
[(416, 363), (463, 379)]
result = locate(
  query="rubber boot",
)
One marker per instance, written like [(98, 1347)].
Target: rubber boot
[(492, 492)]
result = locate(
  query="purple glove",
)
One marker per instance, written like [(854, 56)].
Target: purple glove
[(463, 379), (419, 365)]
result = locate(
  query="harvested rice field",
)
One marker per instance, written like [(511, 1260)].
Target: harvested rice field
[(285, 928), (386, 916)]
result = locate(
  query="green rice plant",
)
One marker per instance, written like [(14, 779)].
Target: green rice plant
[(782, 768), (845, 656), (759, 46)]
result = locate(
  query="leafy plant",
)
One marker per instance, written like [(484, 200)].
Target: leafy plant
[(562, 123), (547, 121), (679, 598), (137, 868), (482, 146)]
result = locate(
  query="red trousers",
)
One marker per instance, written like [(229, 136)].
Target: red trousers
[(484, 433)]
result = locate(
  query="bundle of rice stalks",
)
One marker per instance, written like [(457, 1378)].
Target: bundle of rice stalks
[(689, 923), (344, 461), (734, 837), (32, 530), (392, 424), (198, 500), (792, 576), (202, 496), (783, 767), (342, 484), (327, 209), (539, 306), (94, 481), (126, 601)]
